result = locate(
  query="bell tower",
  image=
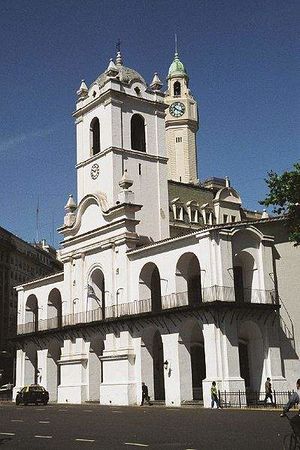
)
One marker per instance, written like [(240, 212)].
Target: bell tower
[(120, 127), (181, 125)]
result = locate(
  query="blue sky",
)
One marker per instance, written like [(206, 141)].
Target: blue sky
[(240, 56)]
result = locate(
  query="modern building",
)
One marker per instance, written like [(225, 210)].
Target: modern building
[(165, 279), (19, 262)]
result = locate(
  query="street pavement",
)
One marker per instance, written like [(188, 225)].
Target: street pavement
[(92, 426)]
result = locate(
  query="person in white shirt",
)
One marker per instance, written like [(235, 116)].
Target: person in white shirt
[(294, 400)]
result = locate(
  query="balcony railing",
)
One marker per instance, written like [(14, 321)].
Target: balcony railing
[(175, 300)]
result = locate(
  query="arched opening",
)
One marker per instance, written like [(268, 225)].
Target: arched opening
[(138, 138), (152, 363), (31, 314), (188, 278), (95, 135), (31, 365), (244, 362), (251, 355), (158, 367), (192, 361), (150, 286), (247, 270), (53, 369), (95, 375), (96, 292), (177, 89), (54, 309), (243, 272)]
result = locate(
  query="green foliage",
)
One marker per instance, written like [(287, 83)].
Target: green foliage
[(284, 196)]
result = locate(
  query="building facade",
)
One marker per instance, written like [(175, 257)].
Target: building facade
[(19, 262), (165, 280)]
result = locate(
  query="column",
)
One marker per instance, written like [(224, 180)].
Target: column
[(171, 369)]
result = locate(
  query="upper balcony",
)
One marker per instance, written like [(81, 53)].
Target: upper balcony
[(153, 305)]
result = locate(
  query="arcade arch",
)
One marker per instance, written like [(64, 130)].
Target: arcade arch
[(152, 363), (31, 313), (191, 361), (96, 291), (251, 355), (247, 270), (188, 278), (150, 286), (54, 309)]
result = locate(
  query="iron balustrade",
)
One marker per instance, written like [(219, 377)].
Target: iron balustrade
[(253, 399), (169, 301)]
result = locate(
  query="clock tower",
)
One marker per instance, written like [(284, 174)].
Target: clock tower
[(181, 125)]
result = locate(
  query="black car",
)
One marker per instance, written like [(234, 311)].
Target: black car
[(33, 393)]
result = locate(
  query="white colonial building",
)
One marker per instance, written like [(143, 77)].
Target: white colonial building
[(165, 280)]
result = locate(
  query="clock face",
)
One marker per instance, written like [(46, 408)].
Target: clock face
[(94, 171), (177, 109)]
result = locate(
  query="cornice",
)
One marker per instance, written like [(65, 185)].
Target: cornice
[(132, 153)]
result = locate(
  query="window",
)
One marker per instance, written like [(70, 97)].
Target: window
[(179, 213), (178, 139), (208, 218), (95, 136), (225, 218), (138, 140), (140, 169), (177, 207), (233, 218), (194, 215), (177, 89)]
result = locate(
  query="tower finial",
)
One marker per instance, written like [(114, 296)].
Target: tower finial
[(119, 59), (176, 45)]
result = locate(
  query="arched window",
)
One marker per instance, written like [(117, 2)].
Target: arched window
[(95, 136), (138, 140), (177, 89)]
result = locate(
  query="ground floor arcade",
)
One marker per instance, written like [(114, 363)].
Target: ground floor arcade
[(176, 354)]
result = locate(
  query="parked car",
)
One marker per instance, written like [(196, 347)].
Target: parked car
[(32, 393), (6, 391)]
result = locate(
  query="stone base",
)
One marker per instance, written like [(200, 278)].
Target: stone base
[(72, 394), (118, 394), (228, 384)]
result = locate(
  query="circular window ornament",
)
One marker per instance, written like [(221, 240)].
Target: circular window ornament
[(95, 171)]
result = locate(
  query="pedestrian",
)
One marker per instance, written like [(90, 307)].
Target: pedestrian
[(145, 395), (293, 400), (214, 395), (268, 391)]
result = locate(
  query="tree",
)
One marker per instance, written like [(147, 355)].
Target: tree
[(284, 196)]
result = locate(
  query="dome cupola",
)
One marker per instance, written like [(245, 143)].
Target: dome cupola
[(177, 68), (125, 74)]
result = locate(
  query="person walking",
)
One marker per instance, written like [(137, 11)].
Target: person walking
[(294, 400), (268, 391), (214, 395), (145, 395)]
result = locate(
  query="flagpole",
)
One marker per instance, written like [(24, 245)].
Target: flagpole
[(37, 236)]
